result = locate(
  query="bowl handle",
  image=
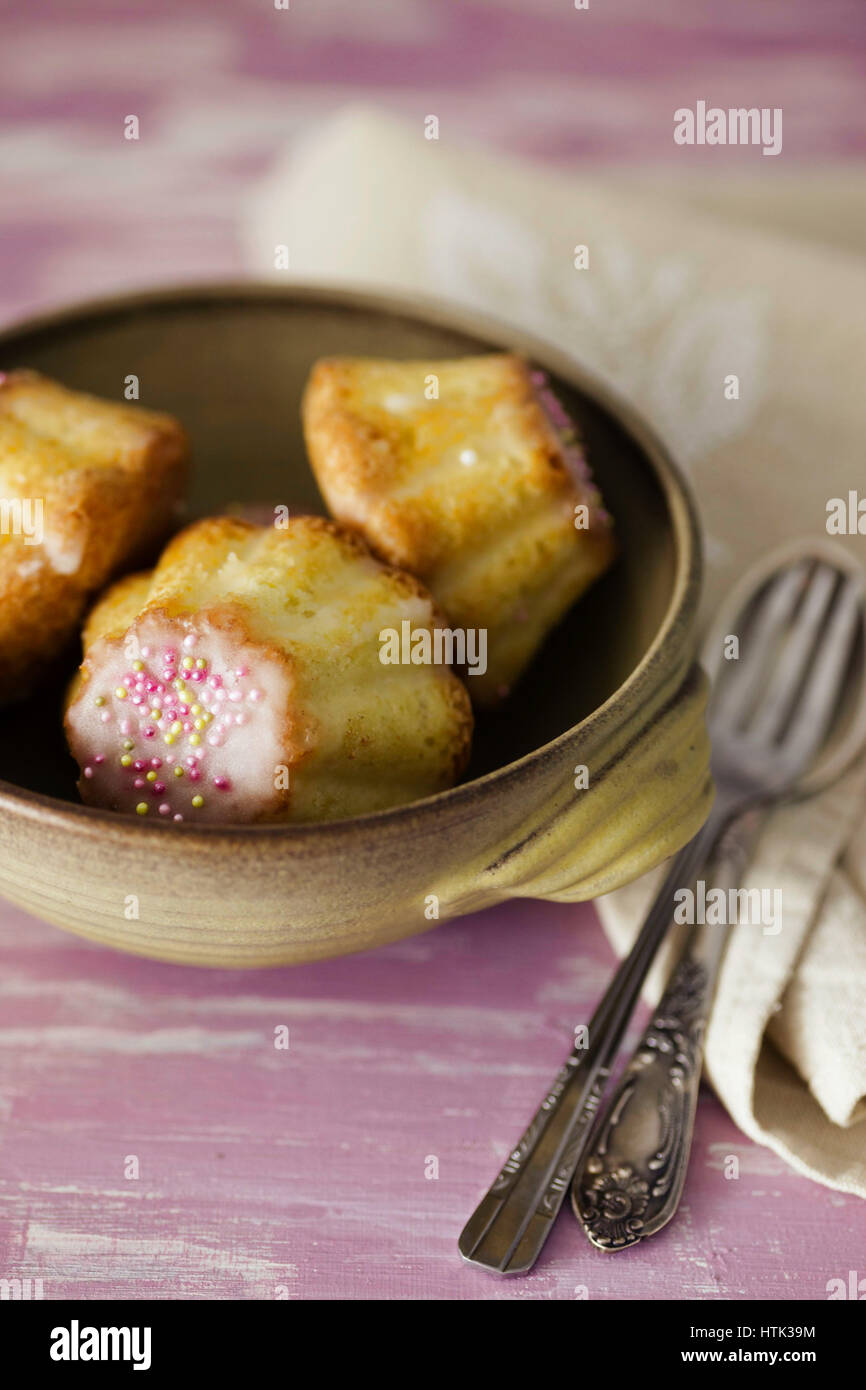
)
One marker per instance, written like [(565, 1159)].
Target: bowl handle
[(649, 792)]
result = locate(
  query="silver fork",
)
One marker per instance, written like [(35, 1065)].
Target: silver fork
[(769, 714), (507, 1231)]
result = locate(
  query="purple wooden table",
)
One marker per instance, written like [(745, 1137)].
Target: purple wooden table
[(153, 1140), (305, 1173)]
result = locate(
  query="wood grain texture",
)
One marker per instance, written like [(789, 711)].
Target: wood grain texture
[(264, 1170), (222, 90)]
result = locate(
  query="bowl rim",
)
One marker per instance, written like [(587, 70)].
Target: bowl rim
[(667, 644)]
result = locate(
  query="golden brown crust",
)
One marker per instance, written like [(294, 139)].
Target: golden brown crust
[(116, 608), (467, 487), (108, 479)]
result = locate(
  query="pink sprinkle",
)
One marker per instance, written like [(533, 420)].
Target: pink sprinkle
[(151, 684), (124, 726), (194, 774), (241, 671), (198, 676), (240, 718), (178, 816), (139, 765), (156, 762), (214, 740), (190, 762), (189, 641), (216, 682), (138, 699), (169, 758), (254, 695), (145, 651), (235, 695), (169, 656), (138, 783), (149, 732), (188, 724), (100, 758), (164, 809), (88, 772), (184, 709), (105, 717), (158, 788), (222, 783), (553, 407)]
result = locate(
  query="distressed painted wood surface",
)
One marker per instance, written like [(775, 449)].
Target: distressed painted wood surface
[(307, 1170), (303, 1171), (221, 87)]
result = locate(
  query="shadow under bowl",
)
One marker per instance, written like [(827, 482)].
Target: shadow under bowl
[(614, 690)]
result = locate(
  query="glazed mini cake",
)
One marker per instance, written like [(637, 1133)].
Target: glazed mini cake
[(468, 474), (85, 485), (241, 681)]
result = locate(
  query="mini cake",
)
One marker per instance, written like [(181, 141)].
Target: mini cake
[(85, 486), (241, 681), (468, 474)]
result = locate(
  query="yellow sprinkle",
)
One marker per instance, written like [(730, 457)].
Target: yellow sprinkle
[(141, 808), (177, 683), (195, 709), (151, 776), (138, 665), (178, 772), (126, 760), (207, 717), (198, 801), (156, 714), (128, 744), (120, 693), (99, 701), (187, 663), (168, 739), (176, 727), (201, 664), (194, 740), (199, 724)]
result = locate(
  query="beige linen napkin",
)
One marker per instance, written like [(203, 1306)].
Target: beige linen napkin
[(680, 294)]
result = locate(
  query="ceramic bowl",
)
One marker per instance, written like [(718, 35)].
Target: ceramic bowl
[(614, 690)]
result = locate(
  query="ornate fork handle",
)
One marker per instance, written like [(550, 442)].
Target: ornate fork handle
[(632, 1180), (510, 1225)]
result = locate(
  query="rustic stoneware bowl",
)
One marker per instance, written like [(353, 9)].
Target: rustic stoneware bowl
[(615, 688)]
